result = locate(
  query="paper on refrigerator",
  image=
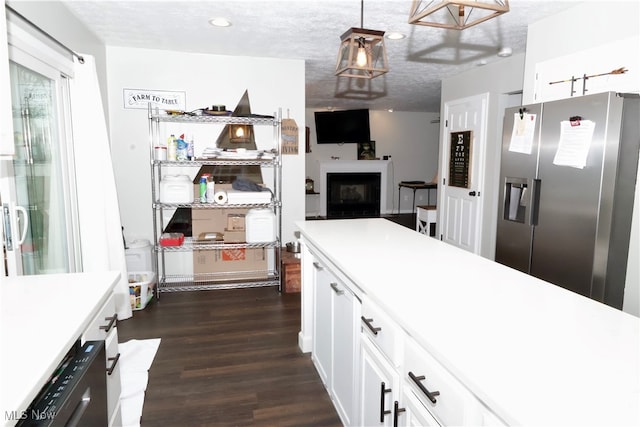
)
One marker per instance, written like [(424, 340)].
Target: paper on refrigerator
[(522, 135), (574, 144)]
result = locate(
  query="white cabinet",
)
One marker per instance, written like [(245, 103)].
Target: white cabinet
[(379, 387), (322, 347), (345, 350), (336, 340), (436, 389), (104, 327), (412, 413)]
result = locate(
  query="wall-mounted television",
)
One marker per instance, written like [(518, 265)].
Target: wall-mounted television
[(345, 126)]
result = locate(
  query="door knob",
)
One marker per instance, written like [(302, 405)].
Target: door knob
[(472, 193)]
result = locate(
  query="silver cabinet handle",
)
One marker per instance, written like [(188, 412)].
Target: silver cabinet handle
[(317, 265), (337, 290)]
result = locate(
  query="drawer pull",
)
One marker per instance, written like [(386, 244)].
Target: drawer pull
[(337, 290), (114, 361), (317, 265), (372, 328), (383, 391), (429, 394), (396, 411), (112, 321)]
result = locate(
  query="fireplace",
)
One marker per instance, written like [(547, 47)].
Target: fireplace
[(352, 170), (353, 195)]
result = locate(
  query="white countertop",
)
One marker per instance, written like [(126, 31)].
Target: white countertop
[(535, 353), (42, 316)]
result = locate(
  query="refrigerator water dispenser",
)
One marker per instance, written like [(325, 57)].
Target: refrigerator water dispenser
[(515, 199)]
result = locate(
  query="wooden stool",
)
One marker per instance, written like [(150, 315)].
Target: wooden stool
[(426, 219), (290, 272)]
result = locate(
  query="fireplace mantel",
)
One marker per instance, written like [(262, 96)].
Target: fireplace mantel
[(345, 166)]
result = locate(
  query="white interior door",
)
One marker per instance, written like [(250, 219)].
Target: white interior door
[(463, 153)]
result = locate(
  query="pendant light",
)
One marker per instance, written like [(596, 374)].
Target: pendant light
[(362, 53), (455, 14)]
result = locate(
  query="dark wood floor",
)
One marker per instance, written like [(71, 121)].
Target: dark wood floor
[(229, 358)]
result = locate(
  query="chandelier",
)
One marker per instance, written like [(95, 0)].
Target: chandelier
[(362, 53), (455, 14)]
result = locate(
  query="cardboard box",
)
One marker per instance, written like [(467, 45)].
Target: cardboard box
[(210, 220), (234, 236), (235, 221), (291, 281), (250, 263)]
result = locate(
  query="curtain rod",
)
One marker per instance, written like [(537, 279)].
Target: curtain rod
[(44, 33)]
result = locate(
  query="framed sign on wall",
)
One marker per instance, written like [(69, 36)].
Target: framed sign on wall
[(460, 158)]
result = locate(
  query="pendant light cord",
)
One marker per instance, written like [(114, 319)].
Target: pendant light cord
[(361, 13)]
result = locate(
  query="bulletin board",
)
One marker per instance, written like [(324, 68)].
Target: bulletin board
[(460, 158)]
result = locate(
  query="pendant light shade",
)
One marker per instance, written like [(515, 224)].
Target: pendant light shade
[(455, 14), (362, 54)]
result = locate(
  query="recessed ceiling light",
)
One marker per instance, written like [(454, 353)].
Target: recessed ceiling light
[(504, 52), (395, 36), (220, 22), (481, 63)]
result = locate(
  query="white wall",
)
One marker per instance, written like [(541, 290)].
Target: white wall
[(207, 80), (499, 78), (410, 138), (582, 28)]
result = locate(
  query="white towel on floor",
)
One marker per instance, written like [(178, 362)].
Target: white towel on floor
[(136, 357)]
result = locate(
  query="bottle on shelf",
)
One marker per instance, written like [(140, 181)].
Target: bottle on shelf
[(203, 189), (181, 152), (190, 149), (172, 148)]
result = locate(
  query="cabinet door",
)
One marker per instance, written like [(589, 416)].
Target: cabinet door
[(345, 350), (411, 413), (322, 340), (379, 386)]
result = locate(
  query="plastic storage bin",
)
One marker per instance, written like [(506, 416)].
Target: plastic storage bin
[(260, 225), (141, 285), (138, 256)]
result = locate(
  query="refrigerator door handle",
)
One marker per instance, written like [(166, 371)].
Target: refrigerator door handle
[(535, 201)]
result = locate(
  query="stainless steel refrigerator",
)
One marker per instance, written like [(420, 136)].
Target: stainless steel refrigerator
[(568, 176)]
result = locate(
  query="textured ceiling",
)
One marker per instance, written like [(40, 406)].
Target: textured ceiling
[(310, 30)]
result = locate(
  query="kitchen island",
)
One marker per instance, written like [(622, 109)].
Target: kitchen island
[(42, 317), (529, 352)]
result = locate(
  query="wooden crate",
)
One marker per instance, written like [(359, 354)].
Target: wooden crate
[(290, 272)]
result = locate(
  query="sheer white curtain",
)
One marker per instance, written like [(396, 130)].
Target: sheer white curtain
[(99, 213)]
